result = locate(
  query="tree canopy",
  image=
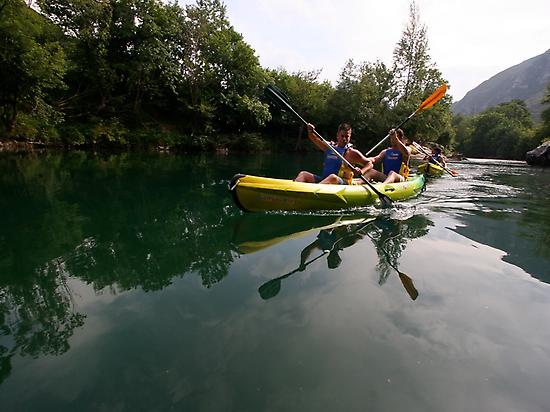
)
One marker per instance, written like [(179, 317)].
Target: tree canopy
[(504, 132), (146, 72)]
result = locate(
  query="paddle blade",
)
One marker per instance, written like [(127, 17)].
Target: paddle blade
[(434, 97), (270, 289), (277, 96), (408, 285)]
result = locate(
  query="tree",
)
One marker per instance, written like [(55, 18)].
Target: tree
[(544, 131), (363, 97), (122, 54), (411, 61), (32, 63), (221, 74), (86, 25), (308, 97), (504, 132), (416, 78)]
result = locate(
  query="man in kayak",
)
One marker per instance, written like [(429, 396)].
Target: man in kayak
[(334, 171), (437, 157), (394, 159)]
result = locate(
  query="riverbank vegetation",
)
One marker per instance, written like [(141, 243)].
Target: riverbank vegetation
[(143, 73)]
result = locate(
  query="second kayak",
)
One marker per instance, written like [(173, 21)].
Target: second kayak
[(430, 169)]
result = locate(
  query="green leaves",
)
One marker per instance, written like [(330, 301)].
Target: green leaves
[(32, 63), (80, 69), (505, 131)]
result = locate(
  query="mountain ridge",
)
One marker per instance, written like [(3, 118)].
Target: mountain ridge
[(526, 81)]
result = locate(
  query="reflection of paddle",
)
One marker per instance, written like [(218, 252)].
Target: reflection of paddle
[(278, 97), (407, 283), (429, 102), (421, 149), (270, 288), (405, 279)]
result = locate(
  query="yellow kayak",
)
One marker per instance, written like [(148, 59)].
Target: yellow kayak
[(430, 169), (255, 194)]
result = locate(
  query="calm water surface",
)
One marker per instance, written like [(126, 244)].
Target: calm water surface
[(132, 282)]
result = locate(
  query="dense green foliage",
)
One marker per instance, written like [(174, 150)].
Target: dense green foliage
[(506, 131), (373, 97), (143, 72), (544, 131), (32, 66)]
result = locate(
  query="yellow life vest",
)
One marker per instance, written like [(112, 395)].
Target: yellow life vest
[(346, 174), (404, 170)]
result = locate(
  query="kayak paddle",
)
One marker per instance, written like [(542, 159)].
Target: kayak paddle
[(429, 102), (279, 98)]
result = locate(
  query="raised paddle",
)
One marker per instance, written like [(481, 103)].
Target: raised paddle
[(429, 102), (421, 149), (281, 101)]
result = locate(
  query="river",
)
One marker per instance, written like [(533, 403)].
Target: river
[(133, 282)]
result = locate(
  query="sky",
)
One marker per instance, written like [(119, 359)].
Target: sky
[(470, 40)]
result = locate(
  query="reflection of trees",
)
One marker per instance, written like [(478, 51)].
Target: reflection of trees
[(122, 221), (131, 220), (390, 238), (38, 314)]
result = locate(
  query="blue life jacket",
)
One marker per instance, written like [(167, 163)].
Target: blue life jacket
[(332, 162), (435, 157), (392, 161)]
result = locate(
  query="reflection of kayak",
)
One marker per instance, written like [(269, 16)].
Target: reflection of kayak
[(255, 232), (430, 169), (253, 193)]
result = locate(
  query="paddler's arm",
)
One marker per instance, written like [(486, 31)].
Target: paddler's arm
[(360, 158), (400, 146), (313, 137), (376, 159)]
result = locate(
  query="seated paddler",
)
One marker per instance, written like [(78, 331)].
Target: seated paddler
[(437, 156), (394, 160), (334, 170)]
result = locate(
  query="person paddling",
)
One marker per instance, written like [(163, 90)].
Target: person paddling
[(394, 159), (334, 171), (437, 157)]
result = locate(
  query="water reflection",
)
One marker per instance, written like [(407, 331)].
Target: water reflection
[(329, 241), (108, 221), (510, 213), (132, 268), (333, 234), (37, 315)]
